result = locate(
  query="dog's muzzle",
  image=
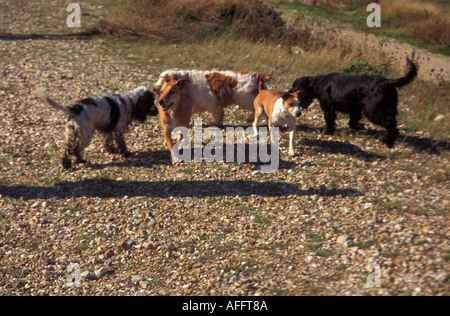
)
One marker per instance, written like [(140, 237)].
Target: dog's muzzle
[(165, 107)]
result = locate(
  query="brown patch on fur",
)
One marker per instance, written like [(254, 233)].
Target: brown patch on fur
[(241, 72), (264, 77), (222, 86), (178, 114)]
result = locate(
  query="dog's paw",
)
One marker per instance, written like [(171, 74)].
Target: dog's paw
[(357, 127), (176, 160), (66, 163)]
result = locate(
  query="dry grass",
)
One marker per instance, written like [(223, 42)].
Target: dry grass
[(189, 20), (186, 20), (426, 21)]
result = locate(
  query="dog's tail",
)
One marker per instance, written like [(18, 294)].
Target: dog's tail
[(262, 79), (401, 82), (42, 94)]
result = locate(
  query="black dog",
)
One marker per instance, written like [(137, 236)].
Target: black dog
[(376, 96)]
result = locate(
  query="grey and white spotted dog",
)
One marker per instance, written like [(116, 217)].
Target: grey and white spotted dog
[(110, 114)]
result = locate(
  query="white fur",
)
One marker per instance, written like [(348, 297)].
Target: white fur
[(203, 100), (281, 116)]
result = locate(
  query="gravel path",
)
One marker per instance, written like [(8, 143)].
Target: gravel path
[(321, 225)]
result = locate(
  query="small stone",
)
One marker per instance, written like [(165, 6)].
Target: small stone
[(87, 275), (441, 277), (47, 274), (126, 245), (440, 117), (137, 279), (101, 272), (109, 253), (341, 240)]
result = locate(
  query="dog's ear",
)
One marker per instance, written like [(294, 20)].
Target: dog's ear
[(182, 83), (166, 78), (305, 99), (295, 86), (173, 77), (149, 100), (145, 106), (300, 93), (286, 96), (303, 83)]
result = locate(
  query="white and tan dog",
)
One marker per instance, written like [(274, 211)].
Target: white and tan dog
[(212, 91), (281, 109)]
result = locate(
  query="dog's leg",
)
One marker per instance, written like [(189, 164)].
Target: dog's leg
[(83, 135), (292, 129), (218, 115), (77, 153), (384, 116), (392, 136), (121, 145), (250, 117), (109, 144), (390, 124), (330, 120), (256, 121), (169, 142), (355, 117), (72, 142), (66, 162)]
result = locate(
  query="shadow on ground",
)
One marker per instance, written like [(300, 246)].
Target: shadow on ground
[(106, 188)]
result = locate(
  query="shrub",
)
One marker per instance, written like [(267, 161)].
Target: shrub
[(365, 68), (190, 20)]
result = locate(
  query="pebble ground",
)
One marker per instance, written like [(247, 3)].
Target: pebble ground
[(331, 218)]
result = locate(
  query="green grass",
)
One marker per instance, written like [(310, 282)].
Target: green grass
[(353, 15)]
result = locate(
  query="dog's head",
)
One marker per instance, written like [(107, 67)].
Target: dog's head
[(172, 93), (291, 104), (145, 106), (157, 88), (305, 88)]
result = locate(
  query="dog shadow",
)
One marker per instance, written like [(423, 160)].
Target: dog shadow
[(419, 144), (107, 188), (232, 153), (144, 159), (338, 147)]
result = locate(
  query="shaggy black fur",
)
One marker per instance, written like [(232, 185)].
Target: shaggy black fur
[(142, 110), (375, 96)]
